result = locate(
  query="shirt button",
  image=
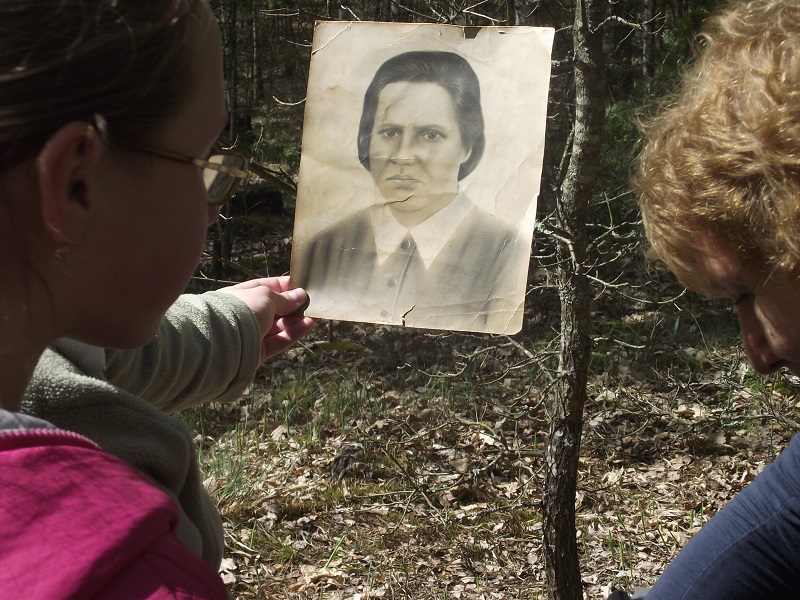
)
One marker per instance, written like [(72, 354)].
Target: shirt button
[(405, 244), (391, 283), (384, 314)]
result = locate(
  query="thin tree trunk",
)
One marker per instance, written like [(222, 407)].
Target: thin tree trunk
[(561, 458), (258, 74), (511, 12), (648, 39), (232, 74)]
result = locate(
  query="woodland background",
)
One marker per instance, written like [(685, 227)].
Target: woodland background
[(578, 455)]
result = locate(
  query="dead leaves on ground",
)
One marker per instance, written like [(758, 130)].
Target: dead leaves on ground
[(430, 486)]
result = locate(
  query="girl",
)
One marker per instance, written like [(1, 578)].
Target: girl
[(109, 113)]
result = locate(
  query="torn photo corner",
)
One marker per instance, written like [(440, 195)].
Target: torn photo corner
[(421, 163)]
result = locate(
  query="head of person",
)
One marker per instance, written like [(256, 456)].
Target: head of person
[(104, 107), (421, 129), (719, 176)]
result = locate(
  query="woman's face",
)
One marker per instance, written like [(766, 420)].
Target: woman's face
[(767, 308), (152, 213), (416, 149)]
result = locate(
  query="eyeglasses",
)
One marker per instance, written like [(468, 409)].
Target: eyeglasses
[(223, 170)]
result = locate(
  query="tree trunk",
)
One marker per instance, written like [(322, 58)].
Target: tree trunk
[(561, 457), (511, 12), (648, 39), (232, 72), (258, 73)]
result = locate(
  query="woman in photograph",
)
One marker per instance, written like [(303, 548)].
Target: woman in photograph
[(422, 255)]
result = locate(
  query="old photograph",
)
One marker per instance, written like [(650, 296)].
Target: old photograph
[(421, 161)]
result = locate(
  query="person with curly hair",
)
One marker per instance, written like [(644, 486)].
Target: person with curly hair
[(718, 183)]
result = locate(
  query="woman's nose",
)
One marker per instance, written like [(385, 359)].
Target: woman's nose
[(404, 150), (754, 339)]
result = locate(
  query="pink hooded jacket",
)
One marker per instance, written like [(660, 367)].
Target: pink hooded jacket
[(77, 523)]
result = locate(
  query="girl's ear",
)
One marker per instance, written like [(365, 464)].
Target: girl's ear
[(64, 169)]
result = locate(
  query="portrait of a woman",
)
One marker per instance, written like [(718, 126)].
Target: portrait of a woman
[(422, 254)]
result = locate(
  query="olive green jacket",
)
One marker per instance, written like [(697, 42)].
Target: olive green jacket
[(207, 350)]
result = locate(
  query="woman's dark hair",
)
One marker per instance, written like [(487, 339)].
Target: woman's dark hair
[(60, 61), (447, 69)]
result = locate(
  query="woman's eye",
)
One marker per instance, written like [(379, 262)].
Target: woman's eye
[(432, 135)]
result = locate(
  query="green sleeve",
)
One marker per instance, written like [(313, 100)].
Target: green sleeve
[(207, 350)]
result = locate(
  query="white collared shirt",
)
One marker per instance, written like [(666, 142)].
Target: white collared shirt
[(430, 236)]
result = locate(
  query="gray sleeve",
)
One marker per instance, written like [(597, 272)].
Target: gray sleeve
[(207, 350)]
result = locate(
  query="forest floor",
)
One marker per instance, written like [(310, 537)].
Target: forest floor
[(379, 462)]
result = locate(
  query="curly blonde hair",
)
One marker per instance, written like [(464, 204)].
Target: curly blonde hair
[(724, 156)]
